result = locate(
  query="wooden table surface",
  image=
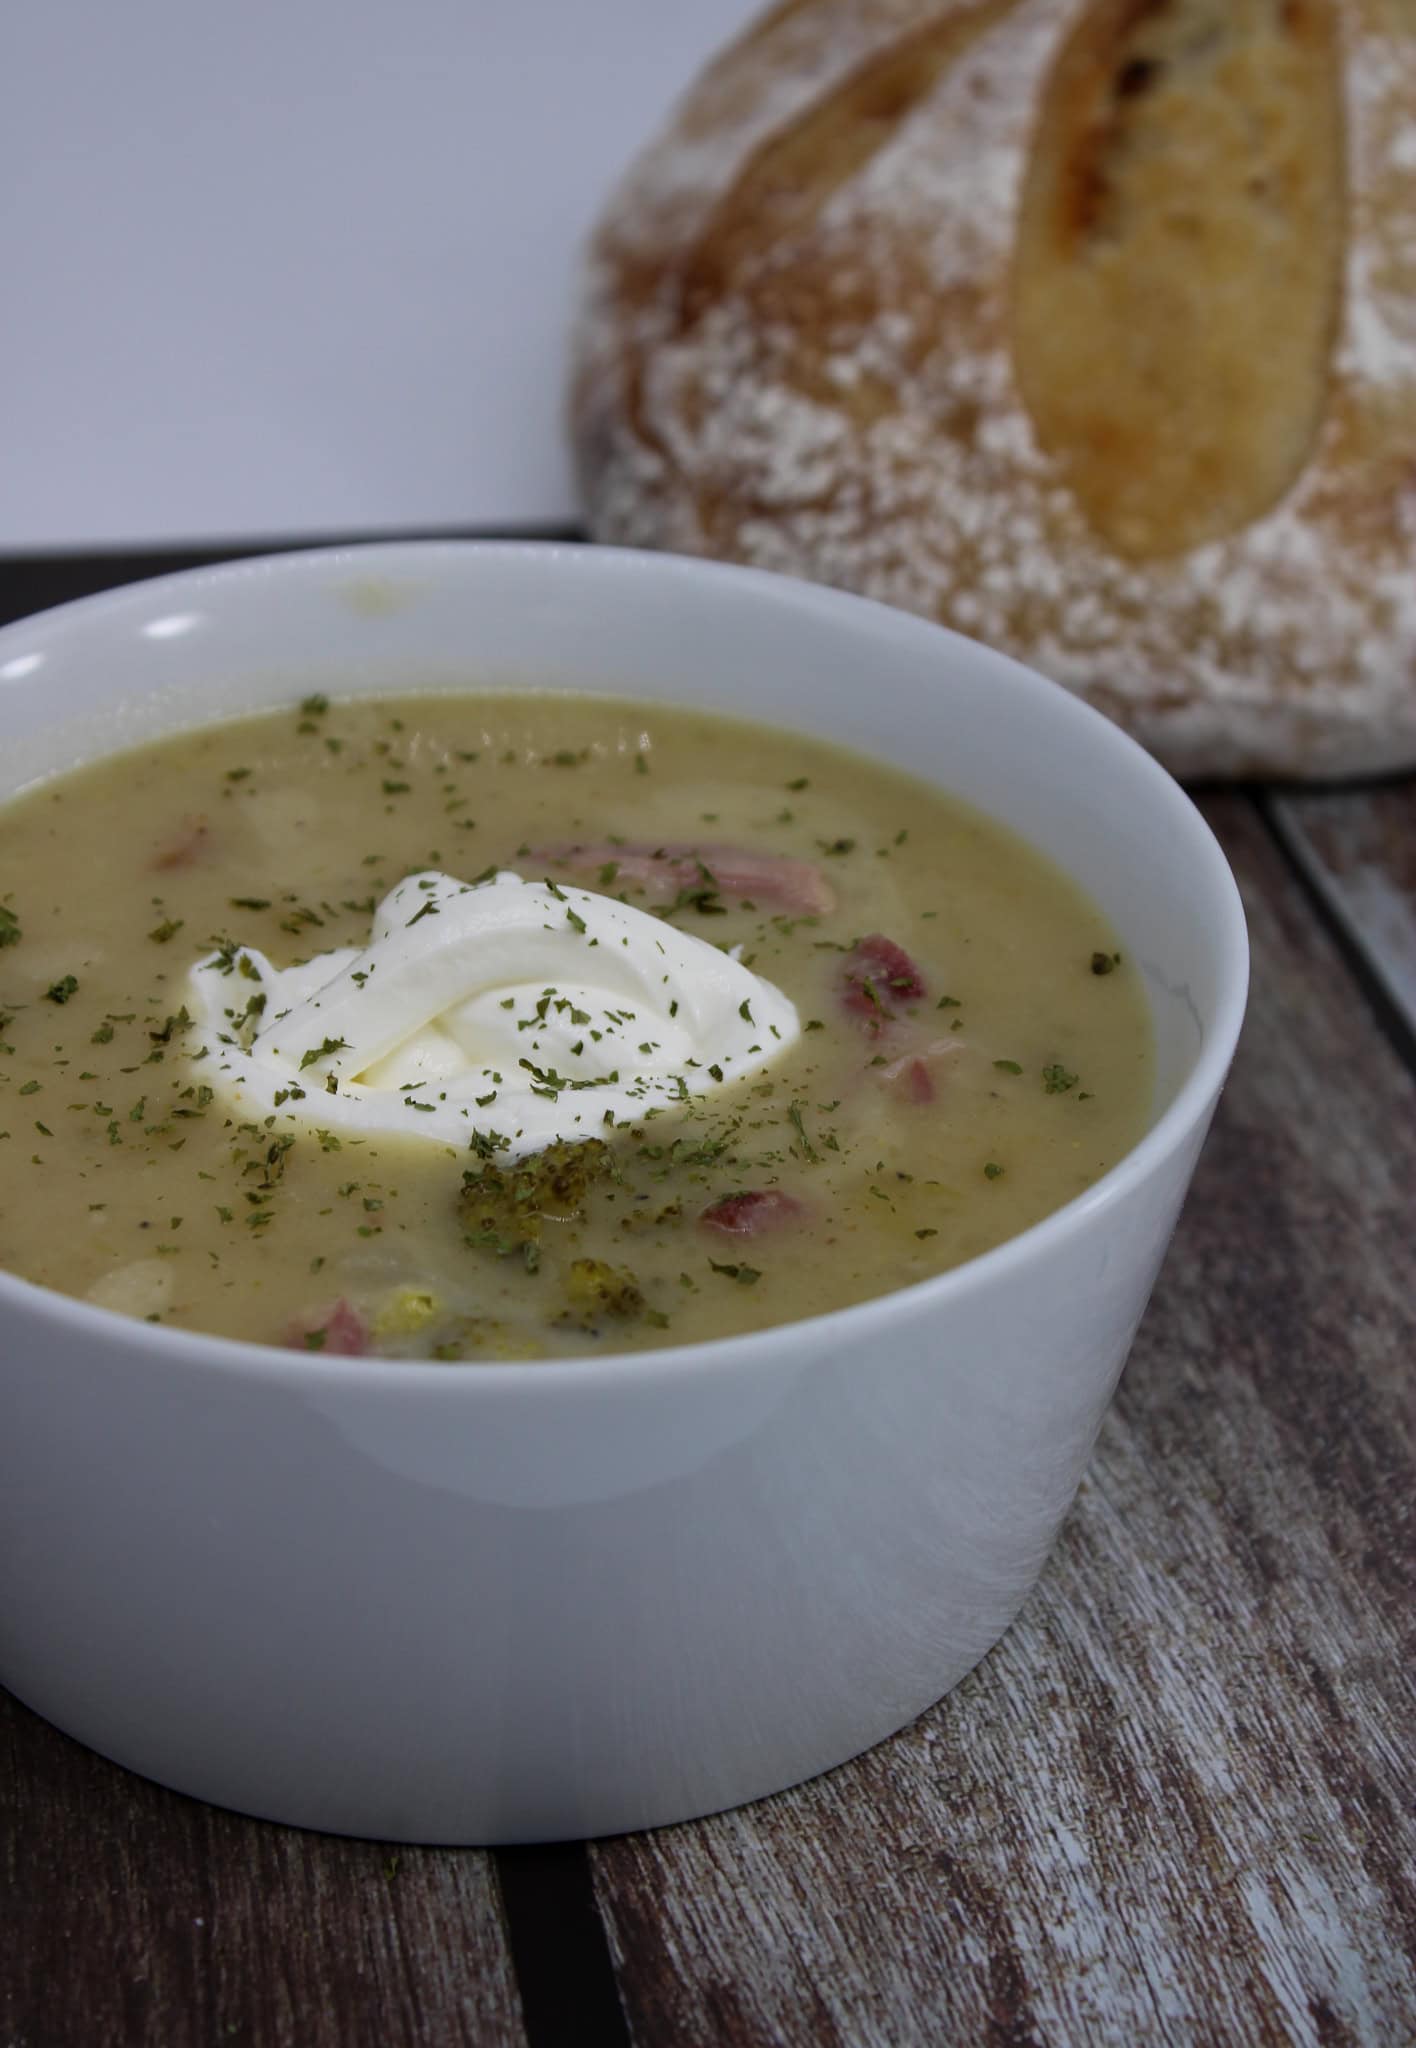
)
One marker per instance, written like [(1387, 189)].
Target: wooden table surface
[(1176, 1804)]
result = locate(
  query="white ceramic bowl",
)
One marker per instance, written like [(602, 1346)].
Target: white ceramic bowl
[(505, 1603)]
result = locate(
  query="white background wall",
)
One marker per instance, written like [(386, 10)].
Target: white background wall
[(283, 266)]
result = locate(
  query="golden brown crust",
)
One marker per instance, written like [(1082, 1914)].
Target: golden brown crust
[(1089, 330)]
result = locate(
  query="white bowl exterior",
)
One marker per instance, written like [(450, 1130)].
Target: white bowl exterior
[(515, 1603)]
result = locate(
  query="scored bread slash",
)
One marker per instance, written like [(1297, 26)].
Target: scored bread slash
[(1194, 433)]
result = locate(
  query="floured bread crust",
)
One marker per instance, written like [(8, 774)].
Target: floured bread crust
[(1087, 329)]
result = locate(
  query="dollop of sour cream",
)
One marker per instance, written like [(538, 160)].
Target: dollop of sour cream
[(522, 1008)]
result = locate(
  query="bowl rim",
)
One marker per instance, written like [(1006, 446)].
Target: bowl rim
[(850, 1327)]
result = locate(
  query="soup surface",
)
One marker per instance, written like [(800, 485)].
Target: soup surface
[(969, 1052)]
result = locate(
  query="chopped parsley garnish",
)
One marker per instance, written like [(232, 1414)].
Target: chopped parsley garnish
[(1056, 1080), (9, 927), (487, 1143), (745, 1276), (61, 990), (180, 1021), (702, 897), (319, 1052), (168, 929), (808, 1150), (1008, 1066)]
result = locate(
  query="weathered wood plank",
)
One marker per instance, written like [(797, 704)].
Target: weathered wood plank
[(1357, 847), (1176, 1803), (133, 1914)]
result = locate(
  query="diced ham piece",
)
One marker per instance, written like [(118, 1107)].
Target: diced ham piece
[(753, 1212), (878, 978), (909, 1079), (340, 1332), (661, 871), (914, 1076), (185, 847)]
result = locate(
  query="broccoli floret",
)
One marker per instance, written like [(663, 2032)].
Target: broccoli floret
[(504, 1207), (594, 1288), (405, 1311)]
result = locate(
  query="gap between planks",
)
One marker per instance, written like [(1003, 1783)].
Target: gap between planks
[(1355, 852), (560, 1947)]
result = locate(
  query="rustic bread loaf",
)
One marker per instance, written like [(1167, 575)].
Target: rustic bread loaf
[(1086, 326)]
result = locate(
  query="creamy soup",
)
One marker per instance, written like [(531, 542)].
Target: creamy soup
[(511, 1027)]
